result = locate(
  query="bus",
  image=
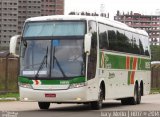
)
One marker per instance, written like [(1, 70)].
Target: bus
[(83, 60)]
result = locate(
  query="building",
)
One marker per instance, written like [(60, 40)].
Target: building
[(26, 9), (8, 20), (150, 23), (32, 8), (13, 13), (50, 7)]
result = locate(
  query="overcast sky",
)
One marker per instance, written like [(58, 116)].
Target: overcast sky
[(111, 6)]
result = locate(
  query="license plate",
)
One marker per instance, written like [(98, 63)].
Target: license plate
[(50, 95)]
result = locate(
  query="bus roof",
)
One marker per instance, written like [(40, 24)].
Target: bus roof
[(95, 18)]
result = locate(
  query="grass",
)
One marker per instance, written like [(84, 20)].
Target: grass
[(155, 90), (10, 95)]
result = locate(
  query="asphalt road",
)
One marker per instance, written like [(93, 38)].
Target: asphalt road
[(150, 107)]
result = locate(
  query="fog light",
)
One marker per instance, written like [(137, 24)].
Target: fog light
[(78, 99), (25, 99), (25, 85)]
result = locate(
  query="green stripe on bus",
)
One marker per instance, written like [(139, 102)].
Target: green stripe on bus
[(119, 62), (22, 79), (143, 64)]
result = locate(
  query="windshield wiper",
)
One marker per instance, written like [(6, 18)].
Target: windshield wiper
[(42, 63), (60, 67)]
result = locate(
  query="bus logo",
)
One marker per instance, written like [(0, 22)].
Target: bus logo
[(104, 60), (64, 82), (147, 65)]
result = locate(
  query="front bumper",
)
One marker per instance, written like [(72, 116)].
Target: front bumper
[(74, 95)]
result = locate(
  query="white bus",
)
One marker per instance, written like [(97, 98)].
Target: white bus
[(82, 59)]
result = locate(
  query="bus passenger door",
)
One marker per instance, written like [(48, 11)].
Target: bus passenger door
[(92, 64)]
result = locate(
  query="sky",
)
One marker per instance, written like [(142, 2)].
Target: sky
[(147, 7)]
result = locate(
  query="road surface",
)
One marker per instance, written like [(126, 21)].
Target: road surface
[(150, 106)]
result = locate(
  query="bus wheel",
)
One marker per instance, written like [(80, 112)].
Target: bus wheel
[(96, 105), (44, 105), (137, 96), (133, 100)]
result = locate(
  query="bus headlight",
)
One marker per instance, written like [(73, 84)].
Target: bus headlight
[(77, 85), (25, 85)]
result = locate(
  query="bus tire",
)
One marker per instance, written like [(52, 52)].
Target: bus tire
[(44, 105), (136, 99), (96, 105), (139, 95)]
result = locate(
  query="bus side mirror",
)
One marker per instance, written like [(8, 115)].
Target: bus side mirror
[(13, 44), (87, 43)]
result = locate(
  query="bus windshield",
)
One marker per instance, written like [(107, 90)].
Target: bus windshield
[(53, 49), (52, 58), (57, 28)]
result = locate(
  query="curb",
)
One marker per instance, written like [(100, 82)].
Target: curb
[(8, 99)]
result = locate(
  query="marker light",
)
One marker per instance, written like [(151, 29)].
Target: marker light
[(25, 99), (78, 99)]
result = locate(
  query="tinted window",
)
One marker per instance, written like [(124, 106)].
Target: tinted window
[(122, 41), (112, 38), (145, 43), (129, 46), (136, 45), (141, 46), (68, 28), (92, 59), (103, 37)]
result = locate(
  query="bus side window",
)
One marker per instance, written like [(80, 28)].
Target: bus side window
[(145, 42), (112, 37), (92, 59), (121, 41), (135, 44), (129, 36), (147, 51), (141, 46), (103, 36)]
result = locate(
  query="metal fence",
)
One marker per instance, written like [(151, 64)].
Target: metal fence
[(155, 77), (9, 67)]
